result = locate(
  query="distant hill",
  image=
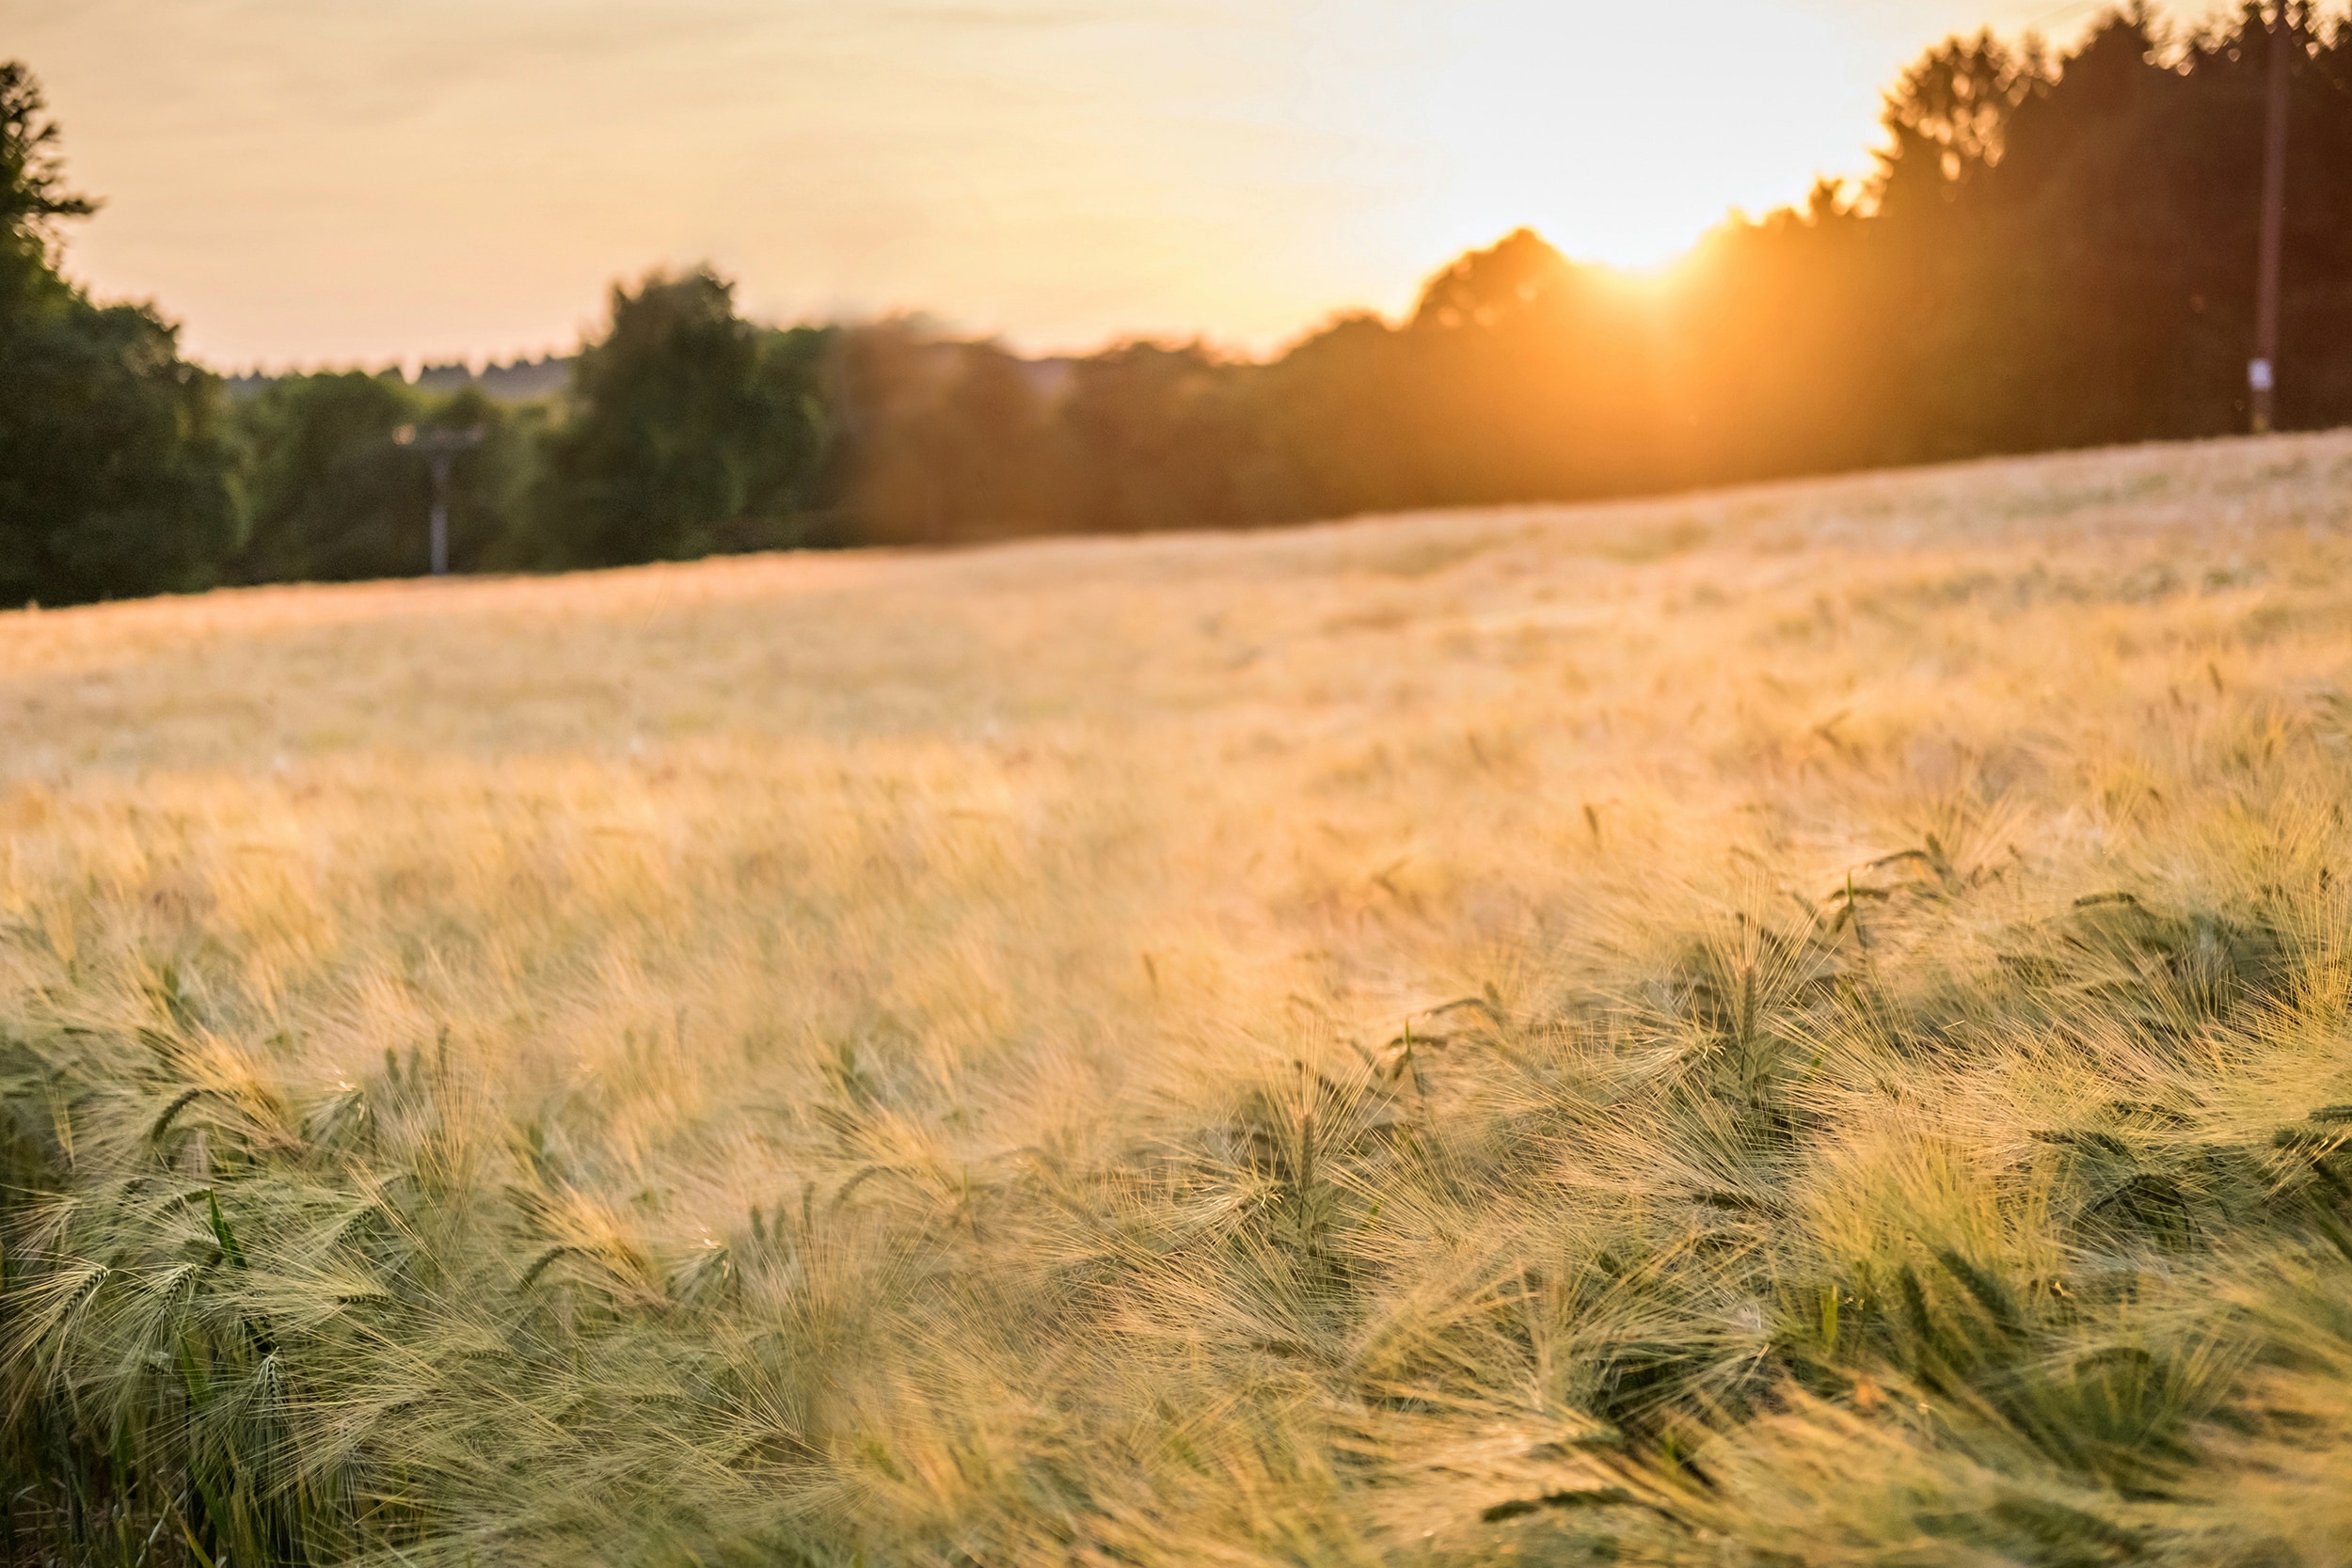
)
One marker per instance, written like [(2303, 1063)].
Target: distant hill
[(523, 381)]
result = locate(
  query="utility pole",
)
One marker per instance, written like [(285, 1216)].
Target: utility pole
[(2262, 375), (441, 447)]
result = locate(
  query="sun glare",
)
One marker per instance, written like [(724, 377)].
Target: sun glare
[(1583, 122)]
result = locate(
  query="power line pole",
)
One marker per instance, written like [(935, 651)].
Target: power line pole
[(442, 447), (2262, 377)]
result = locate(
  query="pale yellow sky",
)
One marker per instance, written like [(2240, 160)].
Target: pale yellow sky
[(312, 181)]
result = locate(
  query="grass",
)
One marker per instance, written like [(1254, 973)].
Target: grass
[(1810, 1024)]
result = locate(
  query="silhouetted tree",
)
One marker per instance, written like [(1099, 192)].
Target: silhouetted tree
[(114, 475), (689, 430), (946, 441)]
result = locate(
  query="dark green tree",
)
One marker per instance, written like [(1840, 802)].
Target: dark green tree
[(689, 431), (114, 475)]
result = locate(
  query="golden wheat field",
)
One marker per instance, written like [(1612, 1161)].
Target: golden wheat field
[(1804, 1025)]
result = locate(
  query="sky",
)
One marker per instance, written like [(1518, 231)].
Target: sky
[(313, 183)]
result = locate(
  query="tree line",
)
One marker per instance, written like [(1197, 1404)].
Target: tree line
[(2050, 252)]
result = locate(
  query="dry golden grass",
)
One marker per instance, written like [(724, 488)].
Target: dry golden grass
[(1775, 1024)]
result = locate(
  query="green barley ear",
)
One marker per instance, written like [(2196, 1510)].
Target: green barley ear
[(221, 1233)]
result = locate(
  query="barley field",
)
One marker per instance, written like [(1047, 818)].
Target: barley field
[(1802, 1025)]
